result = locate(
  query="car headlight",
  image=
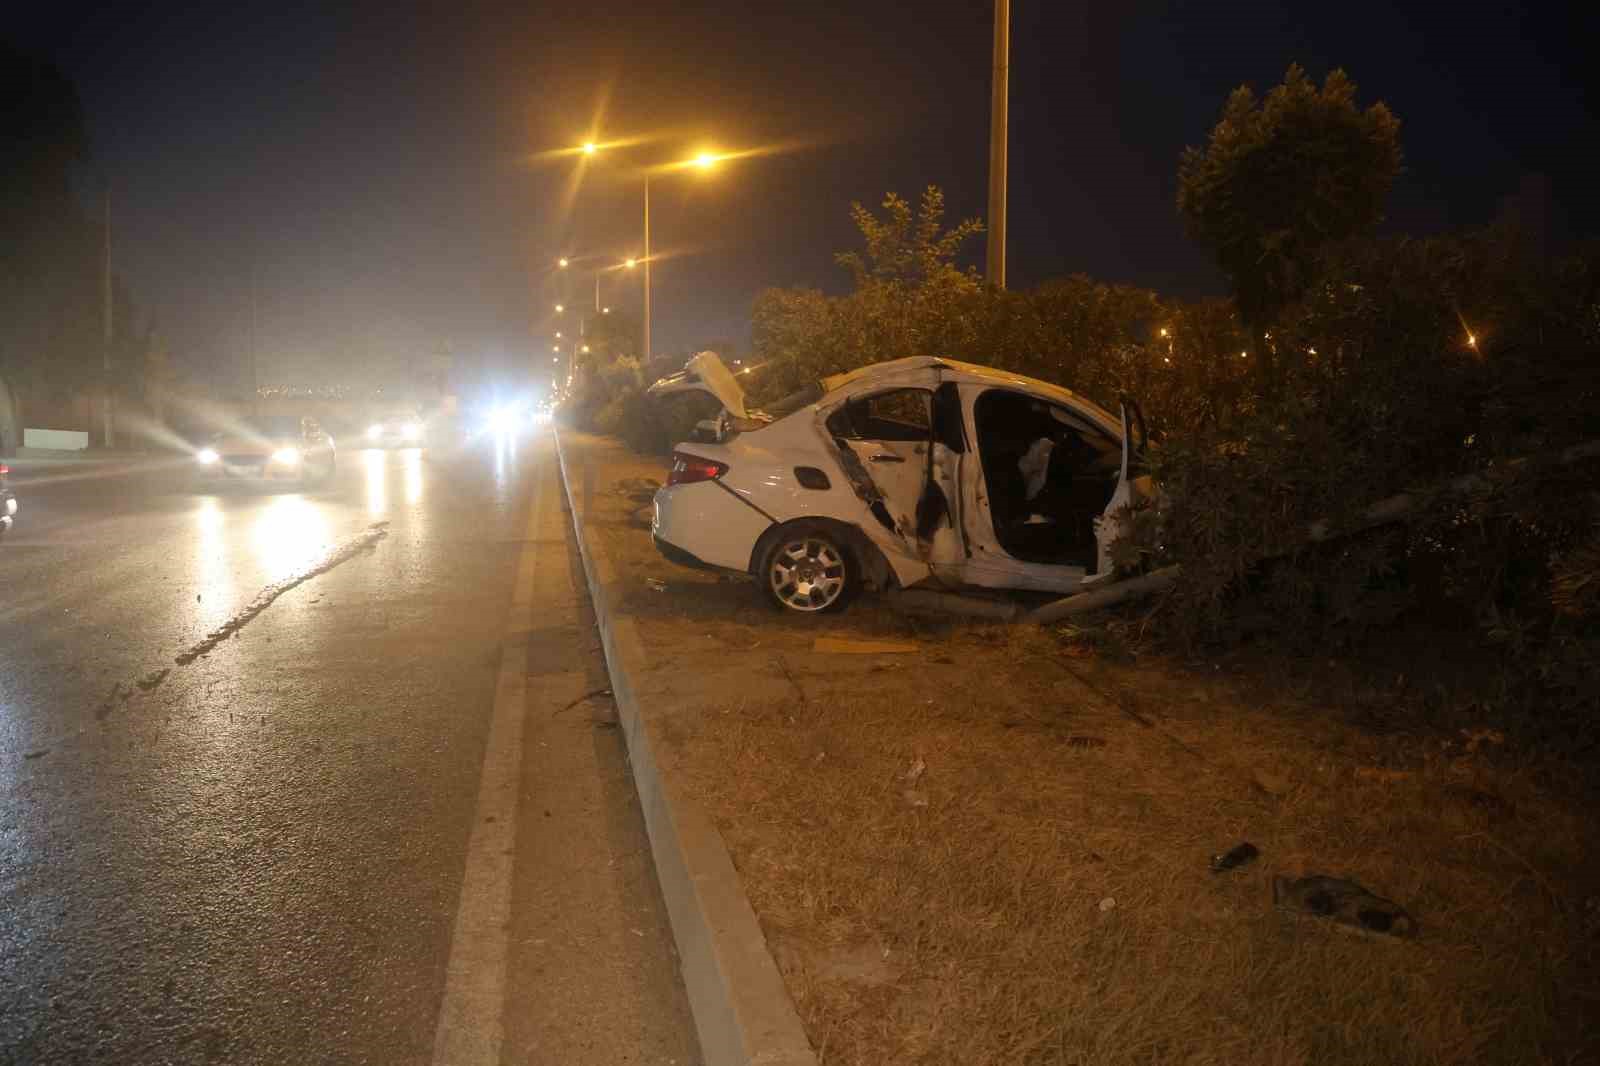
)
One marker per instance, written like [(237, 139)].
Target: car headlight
[(374, 432), (502, 420), (411, 430), (206, 456), (286, 456)]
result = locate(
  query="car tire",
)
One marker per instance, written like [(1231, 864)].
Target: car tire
[(808, 568)]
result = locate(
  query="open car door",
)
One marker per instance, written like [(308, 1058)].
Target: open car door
[(902, 461), (1134, 486)]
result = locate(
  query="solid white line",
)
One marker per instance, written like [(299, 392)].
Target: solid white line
[(471, 1030)]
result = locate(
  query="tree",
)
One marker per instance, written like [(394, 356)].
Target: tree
[(910, 249), (1284, 178), (45, 243)]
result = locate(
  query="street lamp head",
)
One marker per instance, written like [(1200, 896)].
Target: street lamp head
[(558, 334), (560, 308), (631, 263), (563, 262), (605, 310), (588, 148), (705, 160), (585, 349)]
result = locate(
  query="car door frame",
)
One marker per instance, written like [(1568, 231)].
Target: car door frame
[(990, 565), (942, 549)]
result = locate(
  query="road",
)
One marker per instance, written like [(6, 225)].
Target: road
[(309, 776)]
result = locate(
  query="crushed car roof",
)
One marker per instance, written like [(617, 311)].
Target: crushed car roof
[(968, 372)]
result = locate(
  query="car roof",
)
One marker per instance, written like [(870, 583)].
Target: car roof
[(969, 373)]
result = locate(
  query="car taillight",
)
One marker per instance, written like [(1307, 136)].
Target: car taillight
[(4, 470), (687, 469)]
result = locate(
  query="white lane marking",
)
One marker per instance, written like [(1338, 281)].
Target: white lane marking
[(471, 1031)]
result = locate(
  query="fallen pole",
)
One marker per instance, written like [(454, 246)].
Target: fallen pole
[(1131, 589)]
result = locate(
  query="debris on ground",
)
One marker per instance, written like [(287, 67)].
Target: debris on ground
[(841, 646), (635, 488), (656, 583), (1234, 857), (1381, 775), (1080, 740), (1108, 904), (915, 798), (1343, 902), (918, 768)]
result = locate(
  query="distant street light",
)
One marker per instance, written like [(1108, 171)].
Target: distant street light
[(558, 334), (701, 161), (560, 308), (605, 310), (563, 262), (632, 263)]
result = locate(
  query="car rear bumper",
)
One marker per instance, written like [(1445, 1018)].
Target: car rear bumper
[(707, 522)]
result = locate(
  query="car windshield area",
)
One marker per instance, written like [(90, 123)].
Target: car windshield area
[(1049, 471), (276, 426)]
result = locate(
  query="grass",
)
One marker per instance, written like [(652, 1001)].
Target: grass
[(957, 915)]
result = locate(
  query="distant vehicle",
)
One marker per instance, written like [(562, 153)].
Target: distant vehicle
[(8, 502), (270, 448), (404, 430), (919, 471)]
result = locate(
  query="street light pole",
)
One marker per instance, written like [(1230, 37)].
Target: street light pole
[(995, 259), (109, 431), (647, 353)]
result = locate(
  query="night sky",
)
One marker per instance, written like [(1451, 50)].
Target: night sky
[(377, 170)]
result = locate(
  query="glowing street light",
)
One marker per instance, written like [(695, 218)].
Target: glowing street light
[(560, 308), (584, 349), (701, 161), (558, 334), (563, 262), (605, 310), (632, 262)]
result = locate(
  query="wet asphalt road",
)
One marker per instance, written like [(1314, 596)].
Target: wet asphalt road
[(237, 789)]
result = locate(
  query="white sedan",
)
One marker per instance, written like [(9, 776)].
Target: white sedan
[(915, 472)]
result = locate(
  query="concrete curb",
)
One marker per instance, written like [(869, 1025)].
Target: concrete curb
[(742, 1012)]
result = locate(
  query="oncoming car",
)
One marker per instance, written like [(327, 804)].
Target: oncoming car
[(401, 431), (916, 472), (270, 448)]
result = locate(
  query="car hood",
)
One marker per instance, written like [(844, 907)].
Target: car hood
[(706, 372), (251, 445)]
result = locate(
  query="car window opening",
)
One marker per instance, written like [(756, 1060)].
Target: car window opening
[(1050, 475)]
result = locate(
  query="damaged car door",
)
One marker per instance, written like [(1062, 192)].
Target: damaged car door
[(902, 469)]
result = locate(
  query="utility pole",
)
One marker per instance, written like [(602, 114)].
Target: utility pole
[(255, 369), (647, 353), (108, 433), (995, 259)]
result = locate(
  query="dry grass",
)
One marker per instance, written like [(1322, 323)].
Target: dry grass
[(971, 930), (956, 917)]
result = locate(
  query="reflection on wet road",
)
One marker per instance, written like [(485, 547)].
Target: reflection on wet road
[(251, 854)]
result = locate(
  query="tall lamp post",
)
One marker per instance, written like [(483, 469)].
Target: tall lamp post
[(703, 161), (999, 94)]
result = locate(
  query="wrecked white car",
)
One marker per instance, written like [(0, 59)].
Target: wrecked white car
[(917, 472)]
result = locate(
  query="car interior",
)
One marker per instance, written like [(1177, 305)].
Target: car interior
[(1049, 473)]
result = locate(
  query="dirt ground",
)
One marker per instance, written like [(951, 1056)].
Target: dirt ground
[(994, 847)]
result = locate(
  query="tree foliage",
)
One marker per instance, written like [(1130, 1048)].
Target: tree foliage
[(910, 248), (1284, 178)]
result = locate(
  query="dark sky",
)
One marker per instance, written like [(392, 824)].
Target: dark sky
[(375, 168)]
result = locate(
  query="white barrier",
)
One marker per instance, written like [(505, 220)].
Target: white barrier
[(61, 440)]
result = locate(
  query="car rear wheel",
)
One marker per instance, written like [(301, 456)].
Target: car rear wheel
[(808, 568)]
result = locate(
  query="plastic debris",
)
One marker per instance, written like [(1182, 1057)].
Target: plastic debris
[(1343, 902), (656, 583), (1234, 857), (1108, 904), (840, 646), (918, 768)]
